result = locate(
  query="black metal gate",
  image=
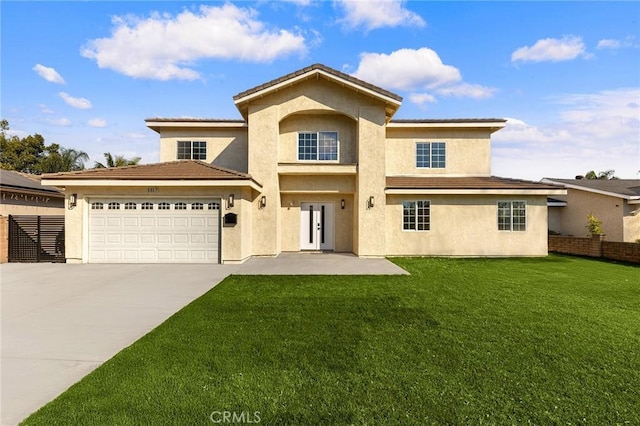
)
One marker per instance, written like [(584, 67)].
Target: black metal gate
[(36, 239)]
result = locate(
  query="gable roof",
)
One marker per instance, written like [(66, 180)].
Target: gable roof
[(392, 100), (469, 183), (15, 181), (624, 188), (173, 170)]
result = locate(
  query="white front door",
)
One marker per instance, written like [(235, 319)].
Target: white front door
[(316, 226)]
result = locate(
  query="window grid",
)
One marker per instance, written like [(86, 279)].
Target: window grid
[(164, 206), (97, 206), (114, 206), (130, 206), (307, 146), (512, 216), (197, 206), (328, 146), (188, 150), (213, 206), (431, 155), (318, 146), (180, 206), (146, 206), (416, 215)]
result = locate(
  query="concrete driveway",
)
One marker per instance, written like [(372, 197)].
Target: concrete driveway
[(61, 321)]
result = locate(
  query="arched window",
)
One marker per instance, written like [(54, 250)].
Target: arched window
[(97, 206), (130, 206), (197, 206)]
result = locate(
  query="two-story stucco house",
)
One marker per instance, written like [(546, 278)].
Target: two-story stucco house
[(316, 163)]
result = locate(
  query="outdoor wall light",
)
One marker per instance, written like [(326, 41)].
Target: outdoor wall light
[(342, 204), (371, 202), (230, 200), (73, 200), (263, 201)]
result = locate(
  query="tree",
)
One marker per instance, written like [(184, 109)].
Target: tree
[(31, 155), (606, 175), (62, 159), (117, 161)]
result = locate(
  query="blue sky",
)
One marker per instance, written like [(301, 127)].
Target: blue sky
[(85, 75)]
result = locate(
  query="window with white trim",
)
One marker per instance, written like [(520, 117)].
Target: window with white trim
[(192, 150), (213, 206), (197, 206), (130, 206), (146, 206), (416, 215), (431, 155), (180, 206), (114, 206), (318, 146), (512, 215), (97, 206), (164, 206)]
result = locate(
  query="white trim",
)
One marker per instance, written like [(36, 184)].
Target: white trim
[(308, 74), (336, 161), (196, 124), (475, 191), (416, 212), (596, 191)]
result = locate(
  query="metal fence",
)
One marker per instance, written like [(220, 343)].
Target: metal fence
[(36, 239)]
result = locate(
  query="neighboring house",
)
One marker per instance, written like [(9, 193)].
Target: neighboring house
[(615, 202), (22, 194), (316, 163)]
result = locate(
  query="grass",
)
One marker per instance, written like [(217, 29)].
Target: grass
[(460, 341)]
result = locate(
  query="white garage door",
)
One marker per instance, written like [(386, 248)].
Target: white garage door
[(154, 231)]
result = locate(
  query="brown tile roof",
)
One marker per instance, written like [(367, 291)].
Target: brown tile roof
[(326, 69), (473, 182), (195, 120), (622, 187), (448, 120), (177, 170)]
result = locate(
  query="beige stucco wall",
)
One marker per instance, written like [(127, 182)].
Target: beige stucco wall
[(555, 218), (343, 219), (466, 225), (226, 147), (468, 151), (631, 224), (236, 240), (291, 125), (610, 210)]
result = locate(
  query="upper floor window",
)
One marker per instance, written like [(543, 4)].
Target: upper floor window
[(416, 215), (431, 154), (188, 150), (318, 146), (512, 215)]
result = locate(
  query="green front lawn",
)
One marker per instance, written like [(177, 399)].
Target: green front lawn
[(460, 341)]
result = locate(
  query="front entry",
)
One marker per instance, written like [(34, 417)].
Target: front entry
[(316, 226)]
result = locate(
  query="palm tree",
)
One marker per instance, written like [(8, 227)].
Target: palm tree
[(63, 160), (606, 175), (117, 161)]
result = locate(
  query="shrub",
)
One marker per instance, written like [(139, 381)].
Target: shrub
[(594, 225)]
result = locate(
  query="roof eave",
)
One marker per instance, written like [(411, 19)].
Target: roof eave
[(594, 190), (174, 182), (473, 191)]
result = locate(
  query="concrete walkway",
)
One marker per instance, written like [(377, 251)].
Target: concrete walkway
[(61, 321), (319, 264)]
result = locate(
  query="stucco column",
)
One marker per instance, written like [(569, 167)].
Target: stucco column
[(369, 235), (263, 167)]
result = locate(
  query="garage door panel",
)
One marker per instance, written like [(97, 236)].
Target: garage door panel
[(151, 231)]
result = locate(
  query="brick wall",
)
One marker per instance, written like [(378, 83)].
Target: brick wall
[(629, 252), (595, 246), (4, 239)]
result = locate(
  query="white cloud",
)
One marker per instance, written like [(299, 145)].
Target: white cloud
[(597, 131), (97, 122), (466, 90), (49, 74), (165, 47), (45, 109), (371, 15), (62, 122), (629, 41), (551, 49), (406, 69), (421, 98), (80, 103)]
